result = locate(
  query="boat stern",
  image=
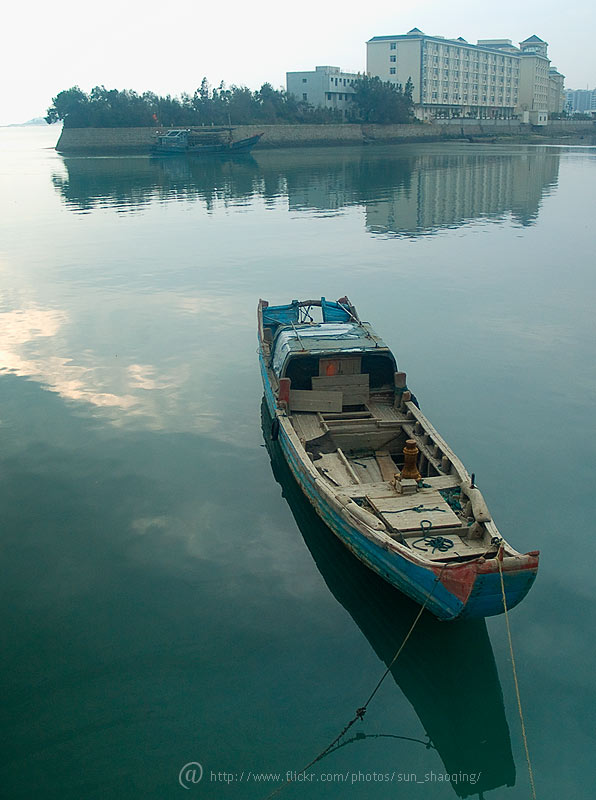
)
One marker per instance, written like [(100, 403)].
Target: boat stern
[(485, 598)]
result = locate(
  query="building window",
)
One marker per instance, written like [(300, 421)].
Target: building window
[(304, 80), (392, 46), (393, 58), (305, 96), (329, 95), (392, 70)]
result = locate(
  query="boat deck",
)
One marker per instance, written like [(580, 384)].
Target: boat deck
[(363, 470)]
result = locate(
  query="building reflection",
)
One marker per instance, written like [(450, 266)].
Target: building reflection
[(447, 670), (457, 188), (405, 190)]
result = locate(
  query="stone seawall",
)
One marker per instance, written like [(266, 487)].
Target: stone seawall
[(139, 140)]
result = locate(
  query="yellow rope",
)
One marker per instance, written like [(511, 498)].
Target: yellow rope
[(517, 694)]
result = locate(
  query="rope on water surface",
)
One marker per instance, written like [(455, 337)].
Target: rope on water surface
[(360, 712), (517, 693)]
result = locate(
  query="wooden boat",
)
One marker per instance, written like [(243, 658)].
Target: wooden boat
[(437, 655), (374, 468), (202, 141)]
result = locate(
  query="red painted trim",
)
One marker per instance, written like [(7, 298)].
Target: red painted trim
[(458, 580), (284, 391)]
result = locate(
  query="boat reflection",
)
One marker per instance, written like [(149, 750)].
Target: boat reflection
[(447, 670), (130, 183)]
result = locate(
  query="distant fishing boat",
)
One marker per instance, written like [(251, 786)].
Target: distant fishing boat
[(202, 141), (374, 468)]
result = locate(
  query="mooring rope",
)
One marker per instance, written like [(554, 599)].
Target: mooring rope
[(517, 693), (440, 543), (360, 712)]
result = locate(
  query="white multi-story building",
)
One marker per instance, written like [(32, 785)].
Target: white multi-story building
[(453, 78), (325, 87)]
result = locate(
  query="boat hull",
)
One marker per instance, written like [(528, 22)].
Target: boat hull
[(459, 591)]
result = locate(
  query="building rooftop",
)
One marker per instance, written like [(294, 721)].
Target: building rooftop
[(505, 45)]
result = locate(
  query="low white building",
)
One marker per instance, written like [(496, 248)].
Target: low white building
[(323, 87)]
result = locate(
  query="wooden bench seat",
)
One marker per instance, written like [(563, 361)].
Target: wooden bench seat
[(310, 400)]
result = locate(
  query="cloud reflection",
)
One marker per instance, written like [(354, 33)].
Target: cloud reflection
[(25, 334), (175, 389)]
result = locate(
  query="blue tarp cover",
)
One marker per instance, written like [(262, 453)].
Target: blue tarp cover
[(334, 312), (274, 316)]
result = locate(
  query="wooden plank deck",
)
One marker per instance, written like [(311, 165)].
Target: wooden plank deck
[(366, 468), (331, 466), (404, 512), (460, 548), (307, 425), (386, 464), (384, 411)]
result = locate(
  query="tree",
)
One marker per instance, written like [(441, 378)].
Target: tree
[(71, 103), (238, 105), (409, 89), (382, 101)]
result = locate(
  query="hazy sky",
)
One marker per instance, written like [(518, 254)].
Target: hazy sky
[(169, 47)]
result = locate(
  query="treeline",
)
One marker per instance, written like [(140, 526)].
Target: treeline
[(372, 101)]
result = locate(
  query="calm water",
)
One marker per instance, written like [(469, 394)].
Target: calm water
[(168, 597)]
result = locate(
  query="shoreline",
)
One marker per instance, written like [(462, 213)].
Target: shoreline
[(138, 141)]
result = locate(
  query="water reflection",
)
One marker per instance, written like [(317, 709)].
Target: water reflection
[(128, 184), (447, 671), (114, 372), (452, 189), (404, 190)]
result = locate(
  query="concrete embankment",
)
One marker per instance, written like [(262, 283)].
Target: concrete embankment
[(139, 140)]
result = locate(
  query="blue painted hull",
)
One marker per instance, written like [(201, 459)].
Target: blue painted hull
[(445, 598)]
